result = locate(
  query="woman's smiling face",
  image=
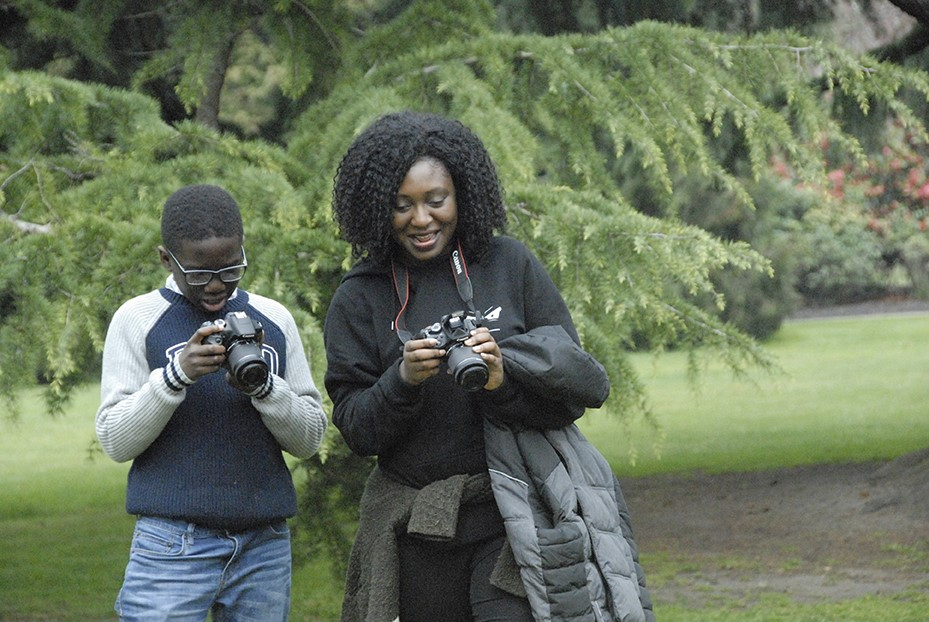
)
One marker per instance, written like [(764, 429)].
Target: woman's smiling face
[(426, 214)]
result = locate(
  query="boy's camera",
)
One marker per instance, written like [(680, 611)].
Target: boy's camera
[(241, 336), (468, 368)]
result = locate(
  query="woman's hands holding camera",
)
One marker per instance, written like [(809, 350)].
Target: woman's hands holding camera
[(483, 343), (422, 359)]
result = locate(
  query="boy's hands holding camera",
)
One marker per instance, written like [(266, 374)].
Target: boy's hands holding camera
[(198, 359)]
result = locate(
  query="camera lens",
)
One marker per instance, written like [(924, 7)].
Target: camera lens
[(252, 375), (469, 369), (247, 365)]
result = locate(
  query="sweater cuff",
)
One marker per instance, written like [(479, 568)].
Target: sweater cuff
[(264, 390), (174, 376)]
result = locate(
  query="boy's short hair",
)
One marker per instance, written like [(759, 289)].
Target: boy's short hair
[(199, 212)]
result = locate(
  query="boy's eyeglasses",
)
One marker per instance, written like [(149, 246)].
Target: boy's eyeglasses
[(198, 278)]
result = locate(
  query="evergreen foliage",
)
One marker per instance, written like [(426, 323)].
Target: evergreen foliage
[(568, 119), (559, 113), (575, 123), (86, 170)]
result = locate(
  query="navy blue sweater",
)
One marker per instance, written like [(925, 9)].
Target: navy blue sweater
[(206, 453)]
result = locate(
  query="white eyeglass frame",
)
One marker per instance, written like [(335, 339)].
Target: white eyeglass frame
[(212, 273)]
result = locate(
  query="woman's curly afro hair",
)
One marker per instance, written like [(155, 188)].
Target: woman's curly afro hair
[(372, 170)]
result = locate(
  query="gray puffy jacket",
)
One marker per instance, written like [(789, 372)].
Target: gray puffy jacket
[(566, 520)]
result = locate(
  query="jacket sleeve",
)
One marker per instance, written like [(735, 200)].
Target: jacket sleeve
[(515, 402), (372, 407), (547, 362)]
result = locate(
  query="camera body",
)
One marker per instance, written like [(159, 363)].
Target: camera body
[(241, 336), (451, 331)]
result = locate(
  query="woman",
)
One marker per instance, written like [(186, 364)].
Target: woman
[(418, 198)]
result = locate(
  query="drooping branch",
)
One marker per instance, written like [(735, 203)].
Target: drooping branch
[(27, 227), (22, 225), (316, 21)]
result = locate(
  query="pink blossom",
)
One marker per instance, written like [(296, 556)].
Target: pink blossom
[(875, 190), (837, 177), (923, 193)]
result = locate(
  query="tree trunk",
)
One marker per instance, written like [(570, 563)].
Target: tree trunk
[(208, 110), (917, 8)]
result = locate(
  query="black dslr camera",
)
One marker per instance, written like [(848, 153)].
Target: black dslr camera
[(241, 336), (468, 368)]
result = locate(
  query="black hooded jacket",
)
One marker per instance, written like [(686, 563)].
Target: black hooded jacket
[(425, 433)]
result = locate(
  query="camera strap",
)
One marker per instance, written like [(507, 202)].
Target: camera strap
[(401, 280)]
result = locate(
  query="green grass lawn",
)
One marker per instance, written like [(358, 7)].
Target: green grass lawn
[(852, 389), (64, 533)]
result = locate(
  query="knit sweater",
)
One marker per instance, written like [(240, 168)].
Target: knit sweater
[(203, 451)]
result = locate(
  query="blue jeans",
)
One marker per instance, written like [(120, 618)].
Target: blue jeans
[(178, 571)]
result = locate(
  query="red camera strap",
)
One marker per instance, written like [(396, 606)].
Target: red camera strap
[(462, 283)]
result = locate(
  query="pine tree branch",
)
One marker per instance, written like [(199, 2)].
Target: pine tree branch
[(22, 225), (27, 227), (312, 15), (208, 110), (25, 167)]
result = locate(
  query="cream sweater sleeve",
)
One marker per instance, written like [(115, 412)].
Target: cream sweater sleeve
[(135, 403), (293, 410)]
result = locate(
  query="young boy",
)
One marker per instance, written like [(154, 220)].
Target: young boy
[(208, 480)]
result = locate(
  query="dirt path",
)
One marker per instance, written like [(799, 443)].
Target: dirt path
[(815, 533)]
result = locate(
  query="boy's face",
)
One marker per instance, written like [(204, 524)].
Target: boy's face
[(209, 254)]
